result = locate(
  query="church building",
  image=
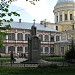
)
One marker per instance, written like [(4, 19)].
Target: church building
[(64, 12)]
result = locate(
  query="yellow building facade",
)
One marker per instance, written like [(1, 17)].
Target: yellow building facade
[(64, 12)]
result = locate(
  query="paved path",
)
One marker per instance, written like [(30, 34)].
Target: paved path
[(18, 64), (18, 60)]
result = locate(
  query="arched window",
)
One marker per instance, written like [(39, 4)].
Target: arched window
[(2, 49), (11, 48), (11, 36), (52, 50), (19, 36), (41, 37), (26, 37), (46, 38), (20, 49), (46, 49)]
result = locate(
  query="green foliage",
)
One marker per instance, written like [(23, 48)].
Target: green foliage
[(53, 59), (4, 11), (5, 59), (48, 66), (70, 54), (37, 71)]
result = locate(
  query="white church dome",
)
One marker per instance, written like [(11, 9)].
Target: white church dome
[(63, 8), (65, 1)]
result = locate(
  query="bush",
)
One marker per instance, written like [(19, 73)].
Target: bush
[(70, 54), (48, 66)]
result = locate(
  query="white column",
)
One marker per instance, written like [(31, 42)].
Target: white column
[(23, 49), (55, 17), (49, 37), (68, 15), (24, 36), (54, 37), (74, 15), (43, 37), (6, 38), (16, 36), (63, 16), (43, 50), (49, 50), (15, 49), (6, 49), (55, 27), (60, 37), (58, 17)]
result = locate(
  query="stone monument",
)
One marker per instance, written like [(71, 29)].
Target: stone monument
[(34, 45)]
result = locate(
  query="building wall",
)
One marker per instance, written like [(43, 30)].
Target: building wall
[(21, 46), (61, 10)]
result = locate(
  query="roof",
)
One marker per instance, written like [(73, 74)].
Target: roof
[(62, 42), (65, 1), (25, 25)]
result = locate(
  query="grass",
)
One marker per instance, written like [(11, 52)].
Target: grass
[(69, 70), (37, 71), (53, 59), (4, 59)]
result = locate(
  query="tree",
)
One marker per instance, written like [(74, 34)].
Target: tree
[(32, 1), (4, 11), (70, 54)]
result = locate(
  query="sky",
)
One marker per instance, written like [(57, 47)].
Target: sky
[(28, 12)]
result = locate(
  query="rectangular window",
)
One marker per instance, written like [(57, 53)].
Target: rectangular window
[(60, 17), (41, 37), (73, 27), (19, 36), (26, 49), (11, 36), (2, 49), (41, 49), (57, 18), (65, 16), (62, 50), (71, 17), (46, 38), (52, 50), (46, 49), (52, 38), (56, 27), (57, 38)]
